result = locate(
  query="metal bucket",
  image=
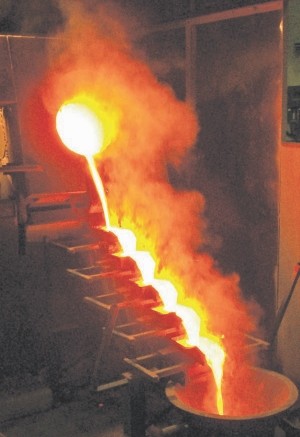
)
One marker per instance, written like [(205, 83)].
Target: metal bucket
[(281, 392)]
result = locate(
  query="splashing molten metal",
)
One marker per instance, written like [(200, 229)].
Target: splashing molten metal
[(82, 132)]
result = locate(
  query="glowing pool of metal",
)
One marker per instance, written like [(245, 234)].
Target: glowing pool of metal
[(272, 395)]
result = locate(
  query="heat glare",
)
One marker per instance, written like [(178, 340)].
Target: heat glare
[(79, 129), (82, 132)]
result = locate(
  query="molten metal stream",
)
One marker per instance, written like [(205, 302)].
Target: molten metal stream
[(100, 189), (213, 352), (68, 115)]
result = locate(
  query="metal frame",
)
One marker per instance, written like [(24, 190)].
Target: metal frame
[(190, 24)]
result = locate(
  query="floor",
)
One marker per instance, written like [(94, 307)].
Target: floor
[(89, 416), (79, 418), (94, 415)]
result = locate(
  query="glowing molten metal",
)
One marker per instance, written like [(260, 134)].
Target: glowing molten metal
[(81, 131)]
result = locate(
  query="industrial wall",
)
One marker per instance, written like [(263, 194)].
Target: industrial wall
[(289, 205)]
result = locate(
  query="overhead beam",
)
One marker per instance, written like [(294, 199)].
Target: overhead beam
[(245, 11)]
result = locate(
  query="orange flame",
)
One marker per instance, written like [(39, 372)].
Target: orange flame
[(76, 125)]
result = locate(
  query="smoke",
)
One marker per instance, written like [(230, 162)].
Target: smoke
[(94, 56)]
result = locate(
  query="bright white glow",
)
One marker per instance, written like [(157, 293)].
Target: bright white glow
[(79, 129)]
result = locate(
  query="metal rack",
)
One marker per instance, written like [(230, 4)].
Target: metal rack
[(148, 338)]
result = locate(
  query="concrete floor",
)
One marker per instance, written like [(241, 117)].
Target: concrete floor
[(91, 414), (80, 418), (77, 419)]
